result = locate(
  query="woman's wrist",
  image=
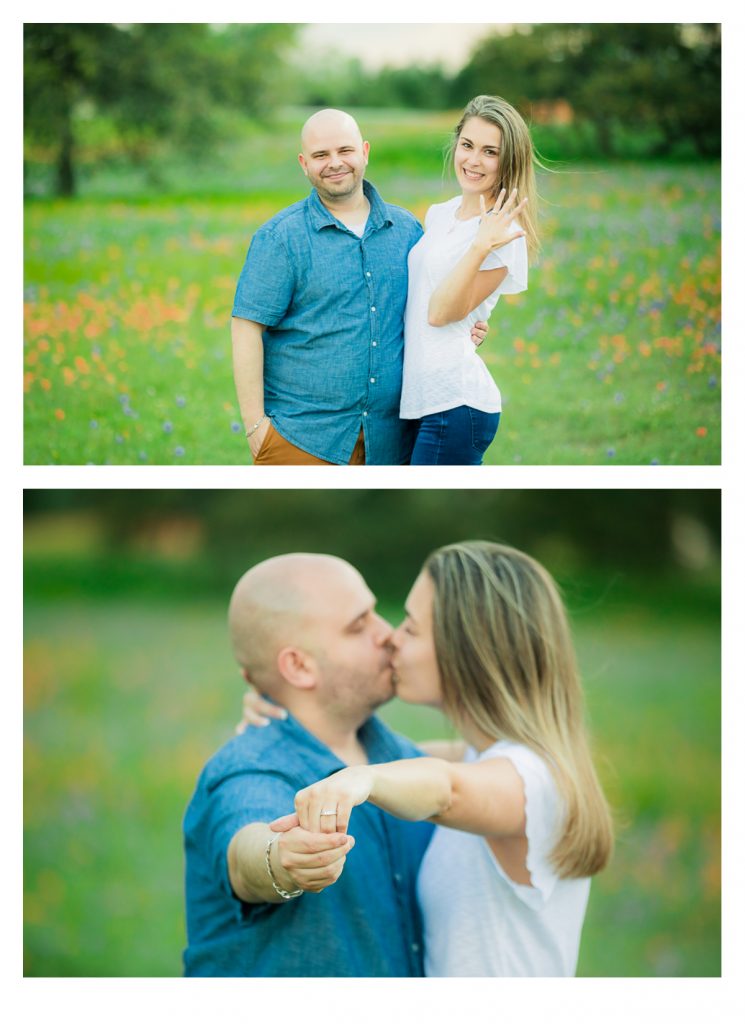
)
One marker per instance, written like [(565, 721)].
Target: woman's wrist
[(365, 777), (480, 249)]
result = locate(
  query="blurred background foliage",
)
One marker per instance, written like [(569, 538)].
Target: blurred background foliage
[(130, 686), (103, 94)]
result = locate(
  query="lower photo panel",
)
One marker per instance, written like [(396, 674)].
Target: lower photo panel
[(383, 733)]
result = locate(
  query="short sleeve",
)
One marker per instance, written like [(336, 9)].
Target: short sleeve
[(514, 256), (267, 281), (542, 807), (236, 801)]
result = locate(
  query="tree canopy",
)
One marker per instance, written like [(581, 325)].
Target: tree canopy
[(154, 81), (662, 78)]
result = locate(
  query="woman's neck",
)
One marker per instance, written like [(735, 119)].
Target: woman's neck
[(474, 737), (470, 206)]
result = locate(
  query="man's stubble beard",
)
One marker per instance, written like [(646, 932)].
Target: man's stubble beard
[(355, 695), (344, 192)]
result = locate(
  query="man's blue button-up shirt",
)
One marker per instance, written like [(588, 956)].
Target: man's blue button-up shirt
[(367, 924), (333, 305)]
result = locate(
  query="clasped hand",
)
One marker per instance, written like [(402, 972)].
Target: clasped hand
[(314, 846), (310, 860)]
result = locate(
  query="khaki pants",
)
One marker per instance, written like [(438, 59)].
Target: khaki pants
[(277, 451)]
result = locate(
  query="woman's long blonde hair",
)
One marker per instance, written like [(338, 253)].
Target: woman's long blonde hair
[(517, 159), (507, 665)]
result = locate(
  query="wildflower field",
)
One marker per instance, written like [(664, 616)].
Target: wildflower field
[(613, 355), (127, 695)]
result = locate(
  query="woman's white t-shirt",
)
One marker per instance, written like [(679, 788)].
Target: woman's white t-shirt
[(442, 368), (478, 922)]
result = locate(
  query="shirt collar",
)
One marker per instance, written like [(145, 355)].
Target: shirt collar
[(377, 740), (322, 218)]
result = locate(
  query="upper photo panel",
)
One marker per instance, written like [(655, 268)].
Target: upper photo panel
[(482, 244)]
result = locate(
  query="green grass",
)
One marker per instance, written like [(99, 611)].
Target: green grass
[(612, 355), (126, 697)]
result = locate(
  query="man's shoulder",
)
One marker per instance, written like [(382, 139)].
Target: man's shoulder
[(286, 220), (254, 751)]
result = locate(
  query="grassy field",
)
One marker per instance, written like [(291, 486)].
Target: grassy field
[(612, 356), (126, 697)]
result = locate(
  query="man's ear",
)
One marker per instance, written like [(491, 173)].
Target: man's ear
[(301, 158), (297, 667)]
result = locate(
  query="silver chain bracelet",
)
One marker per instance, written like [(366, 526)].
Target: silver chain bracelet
[(277, 888), (255, 427)]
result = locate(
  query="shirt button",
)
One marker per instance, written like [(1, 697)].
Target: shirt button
[(397, 879), (415, 947), (372, 309), (372, 380), (365, 413), (375, 344), (367, 274)]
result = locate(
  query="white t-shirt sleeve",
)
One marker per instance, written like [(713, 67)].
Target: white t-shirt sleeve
[(514, 256), (542, 817)]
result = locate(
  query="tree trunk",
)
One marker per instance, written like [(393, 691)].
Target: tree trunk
[(65, 163), (604, 136)]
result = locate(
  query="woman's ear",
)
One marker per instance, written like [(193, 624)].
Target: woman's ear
[(298, 668)]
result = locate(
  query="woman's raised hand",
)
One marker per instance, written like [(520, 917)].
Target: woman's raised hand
[(495, 227)]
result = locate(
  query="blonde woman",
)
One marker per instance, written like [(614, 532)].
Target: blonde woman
[(522, 820), (475, 248)]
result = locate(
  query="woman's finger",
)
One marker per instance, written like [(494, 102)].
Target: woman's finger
[(520, 206), (343, 814), (510, 202), (257, 710), (500, 201), (314, 820), (328, 818), (302, 801), (517, 211)]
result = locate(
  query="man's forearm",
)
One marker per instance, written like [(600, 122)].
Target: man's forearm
[(248, 369), (247, 866)]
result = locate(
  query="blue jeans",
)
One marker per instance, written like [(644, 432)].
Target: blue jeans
[(455, 437)]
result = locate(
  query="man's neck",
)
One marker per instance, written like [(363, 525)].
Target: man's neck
[(339, 736), (351, 209)]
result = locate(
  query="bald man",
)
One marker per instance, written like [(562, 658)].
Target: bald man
[(318, 315), (260, 903)]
